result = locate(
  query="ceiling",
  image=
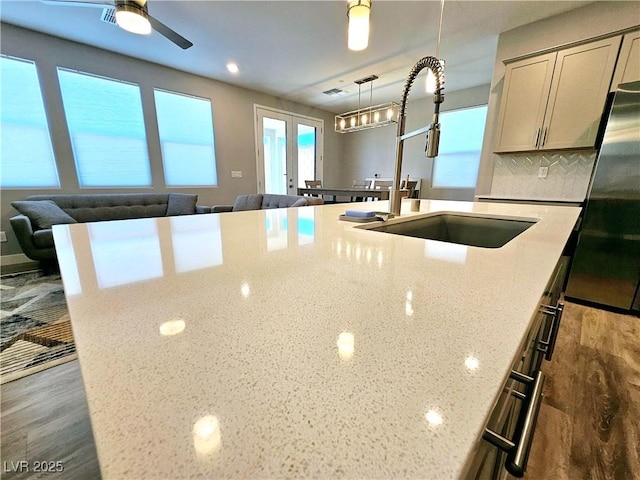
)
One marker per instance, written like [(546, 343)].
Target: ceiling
[(298, 49)]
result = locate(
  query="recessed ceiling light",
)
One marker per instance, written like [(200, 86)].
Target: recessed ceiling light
[(232, 67)]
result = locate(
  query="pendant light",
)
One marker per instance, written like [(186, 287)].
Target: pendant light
[(358, 12), (367, 117)]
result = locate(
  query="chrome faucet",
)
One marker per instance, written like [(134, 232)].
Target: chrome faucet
[(432, 130)]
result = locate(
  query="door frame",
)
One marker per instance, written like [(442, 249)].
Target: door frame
[(292, 153)]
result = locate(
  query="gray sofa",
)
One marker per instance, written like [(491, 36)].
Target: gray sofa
[(38, 213), (260, 201)]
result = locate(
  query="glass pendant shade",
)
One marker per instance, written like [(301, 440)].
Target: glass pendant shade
[(358, 12)]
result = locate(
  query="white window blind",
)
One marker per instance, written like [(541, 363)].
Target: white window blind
[(185, 124), (106, 126), (26, 154), (456, 165)]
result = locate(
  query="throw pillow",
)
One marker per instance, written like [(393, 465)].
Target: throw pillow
[(248, 202), (43, 213), (181, 204), (301, 202)]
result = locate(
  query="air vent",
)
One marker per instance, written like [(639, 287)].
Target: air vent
[(109, 15), (335, 92)]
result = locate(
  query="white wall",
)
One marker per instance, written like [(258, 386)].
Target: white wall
[(598, 18), (371, 152), (232, 107)]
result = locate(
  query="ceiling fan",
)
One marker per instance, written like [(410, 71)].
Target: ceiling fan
[(130, 15)]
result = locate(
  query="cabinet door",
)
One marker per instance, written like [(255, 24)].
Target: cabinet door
[(579, 91), (628, 66), (524, 100)]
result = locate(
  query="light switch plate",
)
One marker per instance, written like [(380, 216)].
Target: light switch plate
[(542, 172), (236, 173)]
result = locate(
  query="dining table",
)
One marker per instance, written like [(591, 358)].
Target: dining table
[(359, 194)]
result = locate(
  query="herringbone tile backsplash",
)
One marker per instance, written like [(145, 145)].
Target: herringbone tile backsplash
[(516, 175)]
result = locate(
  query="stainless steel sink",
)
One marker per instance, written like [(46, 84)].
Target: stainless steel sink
[(476, 231)]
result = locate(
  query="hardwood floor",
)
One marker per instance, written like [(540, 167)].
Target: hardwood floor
[(588, 427), (589, 422), (45, 419)]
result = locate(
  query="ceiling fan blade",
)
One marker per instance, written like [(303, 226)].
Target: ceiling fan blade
[(79, 3), (175, 37)]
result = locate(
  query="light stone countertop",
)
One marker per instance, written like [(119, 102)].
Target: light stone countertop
[(288, 344), (521, 198)]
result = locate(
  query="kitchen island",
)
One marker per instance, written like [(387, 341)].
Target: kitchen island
[(288, 344)]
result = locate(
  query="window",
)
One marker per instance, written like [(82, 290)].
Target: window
[(185, 125), (456, 165), (26, 155), (107, 130)]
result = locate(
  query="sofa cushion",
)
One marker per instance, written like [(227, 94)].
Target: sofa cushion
[(181, 204), (314, 201), (247, 202), (301, 202), (42, 213), (43, 238), (282, 201), (97, 207)]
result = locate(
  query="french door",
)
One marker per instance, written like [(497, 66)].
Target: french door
[(288, 150)]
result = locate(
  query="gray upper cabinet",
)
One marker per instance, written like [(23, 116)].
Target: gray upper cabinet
[(555, 101), (628, 66), (524, 101)]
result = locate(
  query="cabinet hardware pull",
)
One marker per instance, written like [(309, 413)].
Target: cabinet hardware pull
[(543, 345), (518, 451), (544, 137), (498, 440), (547, 346), (517, 458), (553, 336), (521, 377), (537, 137), (548, 309)]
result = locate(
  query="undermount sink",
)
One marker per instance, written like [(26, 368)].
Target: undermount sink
[(476, 231)]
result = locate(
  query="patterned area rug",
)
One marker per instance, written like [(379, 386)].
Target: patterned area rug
[(35, 330)]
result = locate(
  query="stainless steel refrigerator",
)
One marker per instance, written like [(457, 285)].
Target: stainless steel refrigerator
[(606, 263)]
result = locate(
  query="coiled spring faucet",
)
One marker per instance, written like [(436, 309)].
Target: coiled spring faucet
[(432, 130)]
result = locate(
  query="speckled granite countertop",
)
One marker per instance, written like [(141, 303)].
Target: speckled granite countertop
[(287, 344)]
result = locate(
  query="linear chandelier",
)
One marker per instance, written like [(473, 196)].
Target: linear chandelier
[(368, 117)]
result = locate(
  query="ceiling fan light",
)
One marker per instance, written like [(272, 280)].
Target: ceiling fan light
[(358, 12), (133, 18)]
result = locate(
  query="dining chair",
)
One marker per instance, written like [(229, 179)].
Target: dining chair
[(359, 184), (410, 186), (314, 184), (382, 184)]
